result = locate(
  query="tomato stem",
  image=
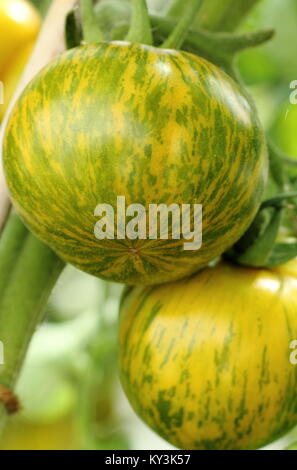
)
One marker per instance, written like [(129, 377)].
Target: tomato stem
[(28, 272), (140, 27), (11, 243), (276, 166), (218, 15), (178, 35), (91, 30), (276, 200), (177, 8), (277, 155)]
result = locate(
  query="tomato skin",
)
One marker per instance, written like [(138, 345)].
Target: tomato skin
[(206, 362), (156, 126)]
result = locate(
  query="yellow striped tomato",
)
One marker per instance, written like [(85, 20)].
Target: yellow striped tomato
[(207, 361)]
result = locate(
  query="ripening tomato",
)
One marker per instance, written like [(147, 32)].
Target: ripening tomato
[(153, 126), (208, 362)]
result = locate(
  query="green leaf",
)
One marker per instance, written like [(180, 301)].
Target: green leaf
[(282, 252), (250, 236), (259, 253)]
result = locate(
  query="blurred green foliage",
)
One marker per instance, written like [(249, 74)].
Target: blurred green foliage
[(270, 69), (41, 5), (70, 374)]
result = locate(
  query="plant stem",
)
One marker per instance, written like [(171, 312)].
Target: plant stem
[(140, 28), (91, 30), (280, 156), (33, 270), (11, 243), (276, 166), (178, 35), (276, 200), (223, 15), (177, 8)]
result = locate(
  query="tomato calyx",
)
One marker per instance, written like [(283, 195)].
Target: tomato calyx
[(271, 239), (259, 247), (140, 28), (133, 23), (91, 30), (217, 47)]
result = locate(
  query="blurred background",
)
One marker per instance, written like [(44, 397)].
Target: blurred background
[(69, 387)]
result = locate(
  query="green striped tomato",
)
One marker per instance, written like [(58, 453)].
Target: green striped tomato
[(156, 126), (207, 361)]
